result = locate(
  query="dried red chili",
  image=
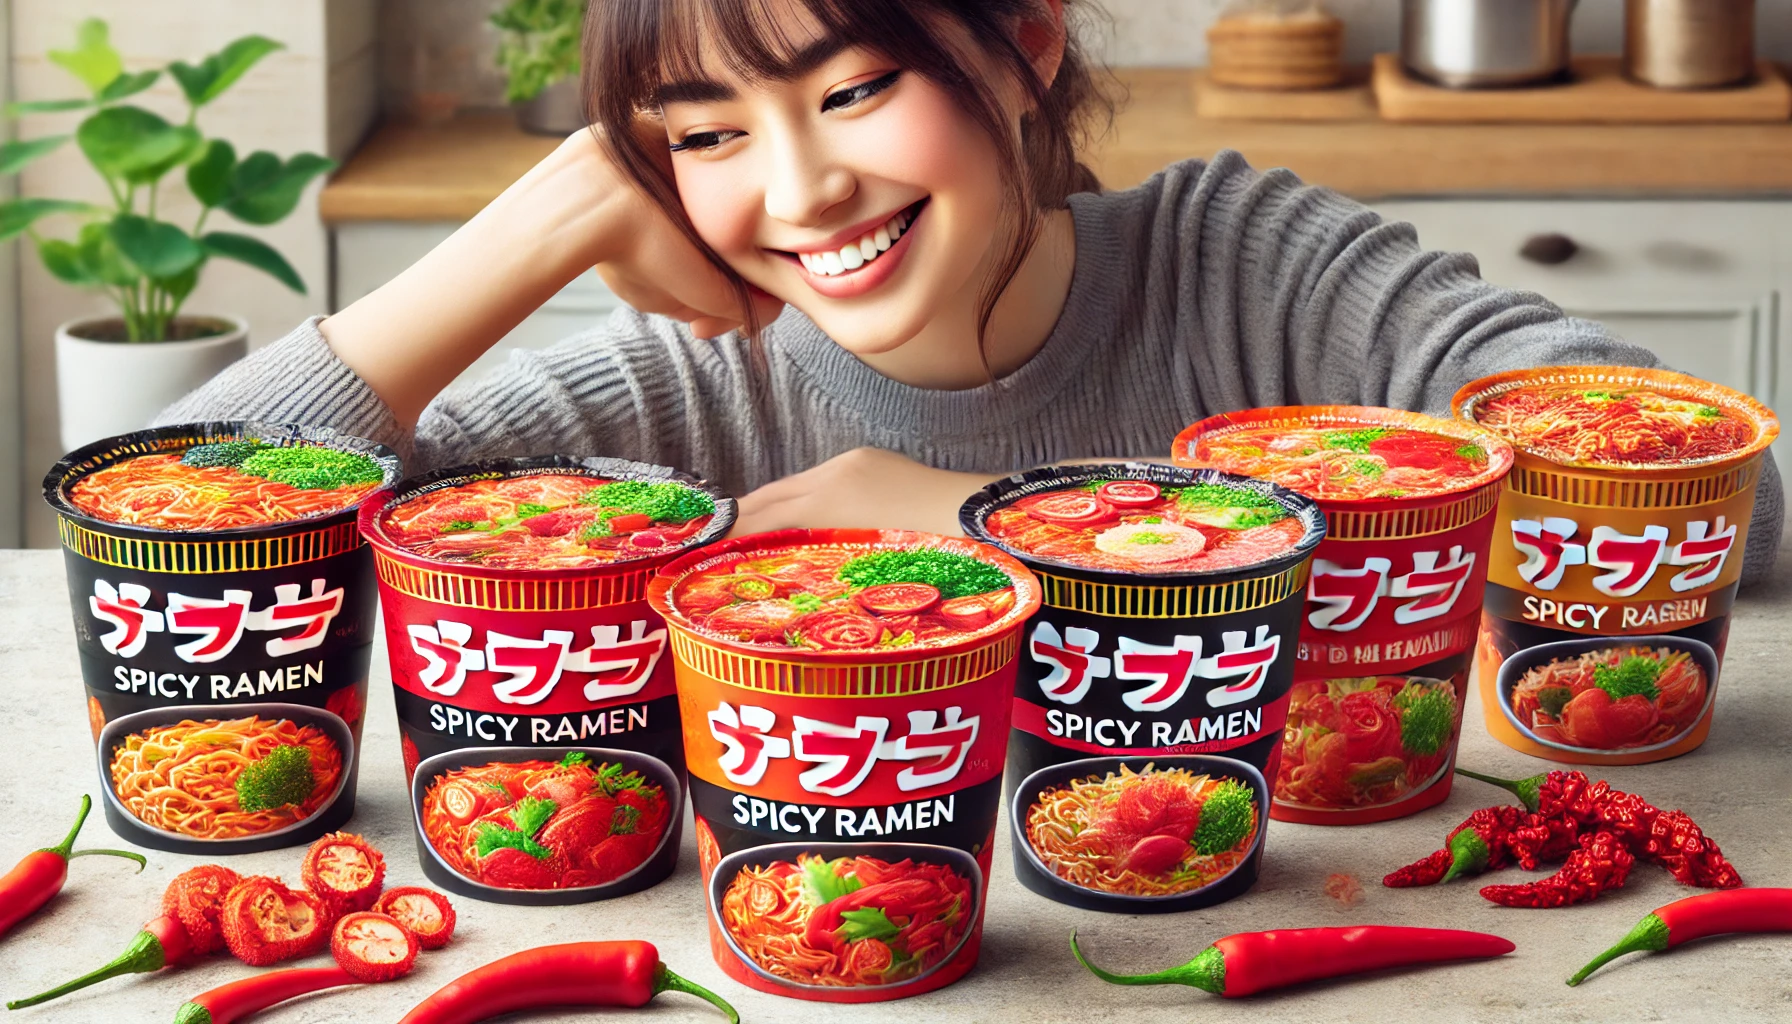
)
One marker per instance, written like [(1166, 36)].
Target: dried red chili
[(1481, 843), (265, 922), (1428, 870), (163, 942), (425, 912), (373, 947), (196, 897), (1677, 843), (1251, 962), (1695, 917), (1600, 864), (345, 870)]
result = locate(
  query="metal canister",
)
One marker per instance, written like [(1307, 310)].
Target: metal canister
[(1689, 44)]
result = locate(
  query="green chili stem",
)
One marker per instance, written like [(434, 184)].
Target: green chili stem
[(142, 956), (66, 849), (1526, 790), (665, 981), (1650, 935), (1207, 971), (1468, 855)]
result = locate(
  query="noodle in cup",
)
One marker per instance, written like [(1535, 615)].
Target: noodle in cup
[(846, 697), (1167, 628), (1388, 631), (1626, 519), (218, 563), (515, 602)]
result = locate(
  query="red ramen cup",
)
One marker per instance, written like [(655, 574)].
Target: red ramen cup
[(1392, 605), (534, 699), (1616, 559), (846, 697), (225, 622), (1154, 681)]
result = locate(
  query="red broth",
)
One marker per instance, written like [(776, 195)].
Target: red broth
[(161, 492), (1613, 424), (1347, 463), (836, 598), (549, 521), (1139, 527)]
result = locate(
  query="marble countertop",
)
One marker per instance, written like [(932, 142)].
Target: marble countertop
[(1736, 785)]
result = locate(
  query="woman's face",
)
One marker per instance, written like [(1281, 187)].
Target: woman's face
[(855, 191)]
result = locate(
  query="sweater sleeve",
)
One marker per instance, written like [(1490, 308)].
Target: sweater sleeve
[(1305, 296)]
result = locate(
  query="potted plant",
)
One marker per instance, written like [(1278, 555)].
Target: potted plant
[(115, 372), (539, 50)]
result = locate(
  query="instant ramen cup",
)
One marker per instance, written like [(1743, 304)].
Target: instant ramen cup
[(846, 697), (1625, 519), (1171, 603), (523, 654), (211, 567), (1394, 601)]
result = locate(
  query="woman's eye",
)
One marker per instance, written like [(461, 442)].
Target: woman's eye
[(704, 140), (859, 93)]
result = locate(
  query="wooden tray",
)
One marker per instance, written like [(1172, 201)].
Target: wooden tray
[(1597, 93), (1351, 101)]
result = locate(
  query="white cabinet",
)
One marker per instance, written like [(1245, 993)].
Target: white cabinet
[(370, 253)]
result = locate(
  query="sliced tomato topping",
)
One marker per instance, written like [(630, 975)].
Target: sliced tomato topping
[(1130, 493), (899, 598), (977, 610), (630, 522), (1069, 508), (833, 630), (648, 540), (753, 621)]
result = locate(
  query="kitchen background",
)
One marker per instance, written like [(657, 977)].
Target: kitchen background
[(1696, 268)]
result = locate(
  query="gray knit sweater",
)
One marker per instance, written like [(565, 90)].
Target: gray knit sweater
[(1208, 288)]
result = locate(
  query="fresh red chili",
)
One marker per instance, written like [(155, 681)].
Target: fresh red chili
[(1252, 962), (230, 1003), (574, 974), (1601, 864), (163, 942), (1696, 917), (39, 875)]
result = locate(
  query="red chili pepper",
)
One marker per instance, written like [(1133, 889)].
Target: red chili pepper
[(1428, 870), (1481, 843), (373, 947), (425, 912), (574, 974), (1695, 917), (39, 875), (163, 942), (345, 870), (1602, 863), (1252, 962), (1677, 843), (230, 1003)]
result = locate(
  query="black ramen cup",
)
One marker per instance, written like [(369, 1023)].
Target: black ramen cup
[(649, 872), (729, 867), (1037, 875), (271, 612), (1158, 658), (1513, 670), (329, 815)]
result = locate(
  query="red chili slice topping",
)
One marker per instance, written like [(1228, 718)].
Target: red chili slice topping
[(460, 803), (899, 598), (977, 610), (629, 522), (1130, 493), (1069, 508), (831, 630)]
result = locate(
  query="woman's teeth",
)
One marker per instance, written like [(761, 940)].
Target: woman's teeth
[(852, 257)]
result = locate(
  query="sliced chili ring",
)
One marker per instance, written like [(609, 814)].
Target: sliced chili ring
[(372, 946), (196, 899), (264, 922), (1069, 508), (427, 913), (1130, 493), (461, 803), (899, 598), (345, 870), (834, 630)]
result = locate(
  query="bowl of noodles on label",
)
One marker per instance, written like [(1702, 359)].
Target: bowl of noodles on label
[(865, 916), (1149, 830), (229, 778), (1633, 694)]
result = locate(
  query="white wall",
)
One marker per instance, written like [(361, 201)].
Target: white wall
[(317, 95)]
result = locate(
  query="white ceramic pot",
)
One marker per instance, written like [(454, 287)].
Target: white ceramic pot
[(113, 387)]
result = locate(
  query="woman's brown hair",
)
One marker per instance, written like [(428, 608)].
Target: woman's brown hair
[(632, 47)]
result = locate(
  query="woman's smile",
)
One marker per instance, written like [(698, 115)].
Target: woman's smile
[(859, 259)]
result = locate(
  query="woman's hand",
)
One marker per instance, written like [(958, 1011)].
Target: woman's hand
[(867, 488)]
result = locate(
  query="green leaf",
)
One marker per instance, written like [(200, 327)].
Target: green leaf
[(208, 177), (255, 253), (127, 85), (207, 80), (158, 248), (822, 882), (867, 923), (134, 144), (93, 60), (20, 214), (45, 106), (181, 285), (264, 190), (63, 260), (102, 258), (15, 155), (530, 813)]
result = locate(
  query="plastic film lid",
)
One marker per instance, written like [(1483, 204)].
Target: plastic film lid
[(375, 507), (1469, 405), (1500, 455), (179, 437)]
